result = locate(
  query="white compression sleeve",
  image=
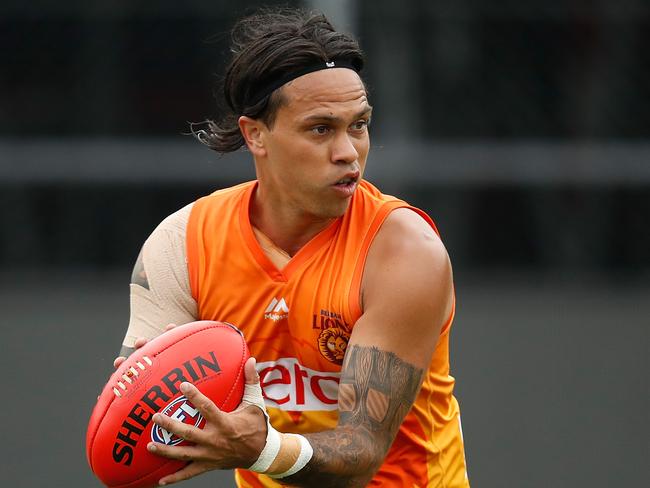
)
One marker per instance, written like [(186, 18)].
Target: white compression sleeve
[(168, 298)]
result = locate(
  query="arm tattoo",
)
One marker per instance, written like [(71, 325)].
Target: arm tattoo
[(379, 389), (126, 351), (376, 391), (139, 276)]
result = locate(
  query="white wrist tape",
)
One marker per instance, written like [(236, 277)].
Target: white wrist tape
[(270, 451), (253, 396)]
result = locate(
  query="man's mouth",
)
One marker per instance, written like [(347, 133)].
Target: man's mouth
[(348, 179)]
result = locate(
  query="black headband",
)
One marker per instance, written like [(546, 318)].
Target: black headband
[(275, 82)]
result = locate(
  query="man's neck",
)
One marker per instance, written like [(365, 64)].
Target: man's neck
[(286, 227)]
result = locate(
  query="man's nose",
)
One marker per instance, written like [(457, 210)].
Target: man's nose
[(343, 150)]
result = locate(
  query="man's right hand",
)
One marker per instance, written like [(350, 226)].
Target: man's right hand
[(139, 342)]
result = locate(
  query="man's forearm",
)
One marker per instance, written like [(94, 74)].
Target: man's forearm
[(343, 457), (376, 392)]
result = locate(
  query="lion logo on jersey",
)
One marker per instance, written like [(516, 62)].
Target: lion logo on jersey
[(332, 343)]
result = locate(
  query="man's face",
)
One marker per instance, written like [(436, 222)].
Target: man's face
[(316, 150)]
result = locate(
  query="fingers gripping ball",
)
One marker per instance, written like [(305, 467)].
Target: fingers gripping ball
[(211, 355)]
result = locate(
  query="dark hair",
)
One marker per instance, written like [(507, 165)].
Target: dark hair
[(265, 46)]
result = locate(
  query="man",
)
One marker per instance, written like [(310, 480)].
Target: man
[(344, 294)]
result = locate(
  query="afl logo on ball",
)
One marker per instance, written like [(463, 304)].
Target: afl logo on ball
[(182, 410)]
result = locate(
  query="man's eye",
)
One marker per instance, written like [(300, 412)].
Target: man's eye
[(360, 125), (320, 130)]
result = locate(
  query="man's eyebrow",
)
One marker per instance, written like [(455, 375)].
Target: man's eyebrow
[(333, 118)]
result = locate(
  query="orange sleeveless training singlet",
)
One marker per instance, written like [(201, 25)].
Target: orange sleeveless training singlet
[(297, 322)]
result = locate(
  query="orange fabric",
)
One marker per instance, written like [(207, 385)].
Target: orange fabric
[(297, 322)]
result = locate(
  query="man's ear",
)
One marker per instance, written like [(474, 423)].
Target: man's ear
[(252, 130)]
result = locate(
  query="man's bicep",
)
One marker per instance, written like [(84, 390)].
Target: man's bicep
[(407, 290)]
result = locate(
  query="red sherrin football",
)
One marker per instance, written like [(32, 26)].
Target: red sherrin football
[(210, 355)]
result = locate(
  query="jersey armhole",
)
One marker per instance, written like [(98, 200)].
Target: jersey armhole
[(452, 313), (192, 248)]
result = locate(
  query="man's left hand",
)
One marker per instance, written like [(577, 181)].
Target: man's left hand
[(228, 440)]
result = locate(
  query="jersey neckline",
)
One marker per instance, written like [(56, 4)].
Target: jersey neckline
[(297, 260)]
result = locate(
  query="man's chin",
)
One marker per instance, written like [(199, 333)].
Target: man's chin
[(337, 211)]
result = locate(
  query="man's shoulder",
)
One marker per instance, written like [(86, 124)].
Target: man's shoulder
[(406, 230)]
